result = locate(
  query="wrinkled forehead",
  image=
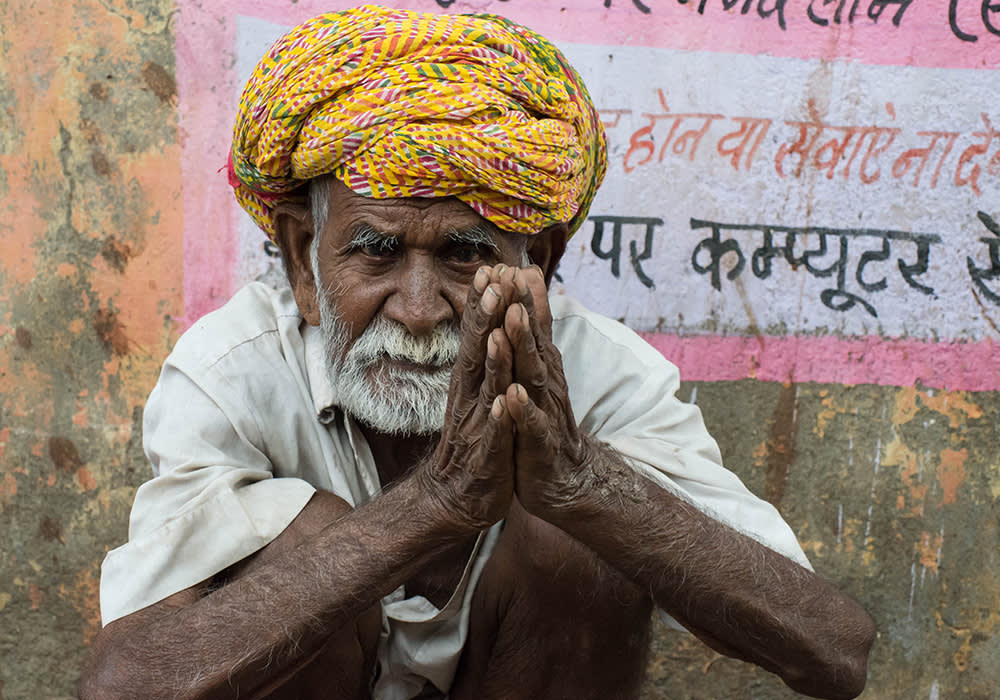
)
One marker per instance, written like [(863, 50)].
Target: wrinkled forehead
[(413, 218)]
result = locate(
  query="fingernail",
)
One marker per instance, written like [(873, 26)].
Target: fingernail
[(540, 273), (481, 280), (497, 408), (500, 269), (522, 395), (524, 314), (490, 299), (491, 347)]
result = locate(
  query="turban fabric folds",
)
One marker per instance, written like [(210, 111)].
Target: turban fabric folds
[(395, 103)]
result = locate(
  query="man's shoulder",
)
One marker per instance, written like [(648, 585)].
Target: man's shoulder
[(577, 329), (251, 321), (243, 365)]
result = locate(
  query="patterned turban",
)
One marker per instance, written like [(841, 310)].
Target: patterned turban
[(395, 103)]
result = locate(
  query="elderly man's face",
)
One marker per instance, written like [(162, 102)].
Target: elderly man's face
[(394, 275)]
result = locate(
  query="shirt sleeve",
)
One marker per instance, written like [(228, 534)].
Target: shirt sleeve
[(213, 500), (625, 395)]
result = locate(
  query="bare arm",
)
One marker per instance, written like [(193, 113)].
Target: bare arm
[(248, 633), (247, 636), (739, 596)]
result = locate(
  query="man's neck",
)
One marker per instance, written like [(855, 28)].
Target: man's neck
[(395, 455)]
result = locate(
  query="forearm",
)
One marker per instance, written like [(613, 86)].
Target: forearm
[(738, 595), (275, 617)]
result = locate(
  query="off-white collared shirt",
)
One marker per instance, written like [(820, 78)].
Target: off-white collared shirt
[(242, 428)]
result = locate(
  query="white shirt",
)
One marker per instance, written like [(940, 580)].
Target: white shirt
[(242, 427)]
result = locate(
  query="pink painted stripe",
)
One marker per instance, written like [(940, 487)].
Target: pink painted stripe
[(944, 365), (924, 37), (207, 92)]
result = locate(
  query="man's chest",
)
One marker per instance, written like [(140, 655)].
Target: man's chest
[(439, 578)]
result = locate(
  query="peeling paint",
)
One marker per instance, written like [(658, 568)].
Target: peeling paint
[(85, 479), (90, 180), (950, 473), (929, 551), (954, 405), (82, 594), (8, 489), (893, 497)]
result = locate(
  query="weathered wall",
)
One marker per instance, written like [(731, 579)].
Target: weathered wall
[(867, 414), (90, 279)]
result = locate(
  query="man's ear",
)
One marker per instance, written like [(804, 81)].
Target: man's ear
[(293, 232), (546, 249)]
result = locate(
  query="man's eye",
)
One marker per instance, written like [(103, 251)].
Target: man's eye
[(379, 249), (466, 253)]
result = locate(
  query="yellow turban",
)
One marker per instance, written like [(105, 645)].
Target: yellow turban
[(396, 103)]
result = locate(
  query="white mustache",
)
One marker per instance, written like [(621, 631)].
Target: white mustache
[(394, 400), (387, 338)]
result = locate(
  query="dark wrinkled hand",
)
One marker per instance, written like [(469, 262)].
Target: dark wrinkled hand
[(549, 448), (470, 475)]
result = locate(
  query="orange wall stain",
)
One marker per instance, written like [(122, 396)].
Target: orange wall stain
[(830, 409), (954, 405), (85, 479), (951, 472), (8, 489), (897, 454), (83, 596), (929, 551), (35, 595)]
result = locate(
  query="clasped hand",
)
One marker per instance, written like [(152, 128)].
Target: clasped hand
[(509, 428)]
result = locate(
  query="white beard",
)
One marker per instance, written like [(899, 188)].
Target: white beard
[(389, 398)]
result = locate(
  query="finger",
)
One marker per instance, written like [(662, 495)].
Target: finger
[(503, 276), (475, 318), (540, 320), (535, 296), (527, 300), (497, 272), (481, 318), (529, 367), (479, 283), (531, 422), (477, 322), (482, 279), (498, 435), (499, 358), (508, 275)]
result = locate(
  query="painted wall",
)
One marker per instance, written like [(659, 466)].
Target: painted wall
[(800, 211)]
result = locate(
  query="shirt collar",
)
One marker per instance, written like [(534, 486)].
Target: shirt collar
[(324, 394)]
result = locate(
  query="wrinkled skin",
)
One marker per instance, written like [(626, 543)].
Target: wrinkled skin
[(563, 605), (509, 366)]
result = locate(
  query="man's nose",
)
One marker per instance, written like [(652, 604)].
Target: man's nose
[(419, 301)]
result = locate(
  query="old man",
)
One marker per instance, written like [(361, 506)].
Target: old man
[(409, 472)]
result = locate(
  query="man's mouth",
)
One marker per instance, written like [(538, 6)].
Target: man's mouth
[(407, 365)]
